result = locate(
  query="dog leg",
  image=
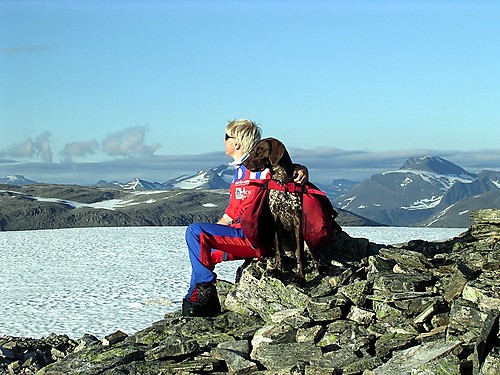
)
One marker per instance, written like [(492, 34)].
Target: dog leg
[(278, 267), (277, 256), (314, 260), (299, 253)]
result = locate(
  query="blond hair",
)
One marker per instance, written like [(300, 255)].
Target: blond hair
[(247, 133)]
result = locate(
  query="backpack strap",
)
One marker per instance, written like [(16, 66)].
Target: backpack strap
[(291, 187), (311, 189)]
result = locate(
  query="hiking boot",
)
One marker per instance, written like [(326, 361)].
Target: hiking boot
[(203, 302)]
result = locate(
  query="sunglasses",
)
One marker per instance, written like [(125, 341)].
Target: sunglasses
[(227, 137)]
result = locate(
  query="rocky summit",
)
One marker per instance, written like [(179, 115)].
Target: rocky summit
[(413, 308)]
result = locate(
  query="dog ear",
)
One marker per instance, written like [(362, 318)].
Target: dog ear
[(258, 158), (277, 151)]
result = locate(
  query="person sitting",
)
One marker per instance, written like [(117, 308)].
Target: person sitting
[(211, 243)]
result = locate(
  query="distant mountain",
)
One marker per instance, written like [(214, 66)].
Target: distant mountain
[(424, 191), (338, 188), (491, 175), (16, 180), (214, 178), (140, 184), (226, 172), (106, 184), (46, 206), (458, 214), (413, 193), (435, 165)]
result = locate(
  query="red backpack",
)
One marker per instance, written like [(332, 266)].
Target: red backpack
[(318, 217)]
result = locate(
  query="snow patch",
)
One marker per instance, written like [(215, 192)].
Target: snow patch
[(348, 202), (209, 205), (407, 181), (424, 204), (440, 215), (111, 204), (444, 182)]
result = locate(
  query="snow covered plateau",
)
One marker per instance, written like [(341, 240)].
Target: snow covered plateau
[(99, 280)]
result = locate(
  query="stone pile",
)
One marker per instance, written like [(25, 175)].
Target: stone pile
[(414, 308)]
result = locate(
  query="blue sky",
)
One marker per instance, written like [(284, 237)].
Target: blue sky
[(123, 89)]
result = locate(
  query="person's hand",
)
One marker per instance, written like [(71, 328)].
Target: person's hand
[(300, 175), (225, 220)]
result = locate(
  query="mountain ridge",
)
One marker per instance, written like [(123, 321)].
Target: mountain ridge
[(412, 195), (419, 189), (34, 207)]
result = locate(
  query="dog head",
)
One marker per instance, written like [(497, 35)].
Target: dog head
[(271, 153)]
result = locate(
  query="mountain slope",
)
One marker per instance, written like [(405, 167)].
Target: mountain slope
[(60, 206), (16, 180), (435, 165), (208, 179), (412, 193), (458, 214)]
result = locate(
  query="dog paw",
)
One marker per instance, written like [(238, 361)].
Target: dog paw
[(321, 269), (273, 272), (299, 280)]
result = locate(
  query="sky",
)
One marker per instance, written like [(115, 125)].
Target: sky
[(116, 90)]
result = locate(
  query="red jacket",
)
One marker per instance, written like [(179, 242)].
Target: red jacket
[(241, 191)]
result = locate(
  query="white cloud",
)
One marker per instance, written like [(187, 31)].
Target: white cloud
[(128, 142), (30, 148), (79, 149)]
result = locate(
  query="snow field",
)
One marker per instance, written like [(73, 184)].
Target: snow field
[(99, 280)]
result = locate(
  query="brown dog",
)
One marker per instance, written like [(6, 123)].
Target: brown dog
[(285, 206)]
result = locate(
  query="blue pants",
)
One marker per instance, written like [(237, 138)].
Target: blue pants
[(209, 244)]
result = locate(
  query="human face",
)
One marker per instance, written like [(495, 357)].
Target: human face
[(230, 146)]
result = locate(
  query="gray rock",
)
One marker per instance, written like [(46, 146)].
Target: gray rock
[(236, 364), (240, 347), (295, 318), (333, 362), (87, 341), (114, 338), (466, 321), (484, 292), (360, 316), (417, 357), (96, 360), (389, 283), (272, 334), (345, 334), (310, 335), (356, 291), (264, 295), (407, 259), (456, 285), (172, 347), (285, 356), (488, 336), (491, 365), (325, 309)]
